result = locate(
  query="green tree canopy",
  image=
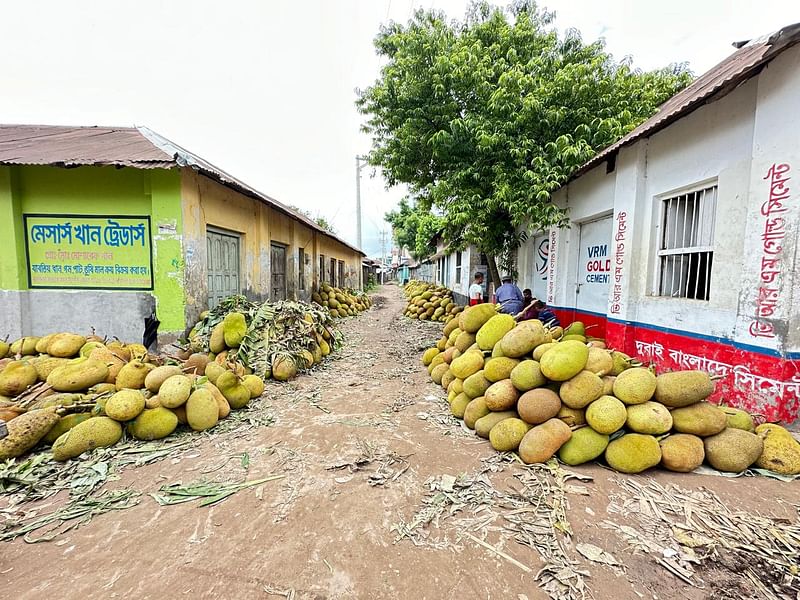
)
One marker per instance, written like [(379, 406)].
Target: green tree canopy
[(484, 118), (414, 228), (319, 220)]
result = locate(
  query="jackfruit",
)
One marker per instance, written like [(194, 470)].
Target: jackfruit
[(497, 351), (539, 405), (781, 451), (739, 419), (635, 385), (522, 339), (235, 392), (428, 355), (88, 348), (457, 386), (633, 453), (25, 431), (564, 360), (41, 344), (484, 425), (97, 432), (153, 424), (459, 405), (65, 345), (450, 354), (79, 374), (283, 368), (581, 390), (575, 328), (133, 374), (125, 405), (608, 385), (599, 361), (606, 415), (159, 375), (464, 341), (113, 358), (450, 326), (543, 441), (255, 384), (63, 425), (733, 450), (17, 377), (438, 372), (527, 375), (474, 317), (572, 416), (234, 326), (501, 395), (539, 351), (507, 434), (701, 419), (467, 364), (683, 388), (45, 365), (213, 371), (475, 410), (649, 417), (476, 385), (202, 411), (497, 369), (175, 391), (493, 330), (682, 452), (25, 346), (216, 342), (447, 378), (621, 362), (584, 445)]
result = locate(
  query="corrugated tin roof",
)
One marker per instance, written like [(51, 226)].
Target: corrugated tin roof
[(712, 85), (74, 146), (136, 147)]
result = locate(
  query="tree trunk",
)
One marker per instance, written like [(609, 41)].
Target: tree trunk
[(493, 272)]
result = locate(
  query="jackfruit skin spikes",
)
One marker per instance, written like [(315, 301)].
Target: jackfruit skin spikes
[(506, 435), (633, 453), (635, 385), (493, 330), (584, 445), (564, 360), (733, 450), (97, 432), (683, 388), (682, 452)]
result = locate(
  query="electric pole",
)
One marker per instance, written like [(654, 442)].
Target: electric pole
[(359, 166)]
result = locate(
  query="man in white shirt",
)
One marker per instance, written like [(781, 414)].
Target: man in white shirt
[(476, 290)]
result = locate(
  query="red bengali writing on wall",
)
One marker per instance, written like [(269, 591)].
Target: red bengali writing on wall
[(772, 238), (619, 262), (551, 274), (759, 383)]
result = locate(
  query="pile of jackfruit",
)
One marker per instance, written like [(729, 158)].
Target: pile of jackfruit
[(548, 392), (341, 302), (429, 302)]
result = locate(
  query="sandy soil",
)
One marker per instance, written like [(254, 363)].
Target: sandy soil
[(358, 443)]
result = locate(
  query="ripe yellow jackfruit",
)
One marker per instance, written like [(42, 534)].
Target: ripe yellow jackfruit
[(467, 364), (527, 375), (97, 432), (17, 377), (476, 385), (522, 339), (159, 375), (682, 388), (493, 330), (153, 424), (701, 419), (202, 411), (474, 317), (606, 415), (497, 369), (484, 425), (234, 326), (125, 405), (501, 395), (475, 410), (65, 345), (507, 434)]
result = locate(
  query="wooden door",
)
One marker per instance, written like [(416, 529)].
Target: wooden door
[(222, 266), (278, 272)]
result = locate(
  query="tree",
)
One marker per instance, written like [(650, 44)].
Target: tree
[(414, 228), (483, 119)]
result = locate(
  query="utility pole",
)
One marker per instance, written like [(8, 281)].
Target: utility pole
[(359, 166)]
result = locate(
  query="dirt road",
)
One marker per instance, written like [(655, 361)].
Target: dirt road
[(383, 495)]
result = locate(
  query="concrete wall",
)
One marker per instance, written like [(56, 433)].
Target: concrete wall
[(90, 191)]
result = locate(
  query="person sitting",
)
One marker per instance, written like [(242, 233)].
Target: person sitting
[(546, 316), (509, 297), (476, 290), (528, 311)]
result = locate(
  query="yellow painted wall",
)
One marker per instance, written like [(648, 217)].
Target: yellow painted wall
[(208, 203)]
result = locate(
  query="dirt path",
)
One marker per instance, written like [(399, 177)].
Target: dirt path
[(368, 454)]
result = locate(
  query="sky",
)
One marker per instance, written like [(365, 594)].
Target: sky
[(265, 89)]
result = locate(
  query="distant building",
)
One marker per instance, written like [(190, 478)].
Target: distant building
[(105, 227), (683, 244)]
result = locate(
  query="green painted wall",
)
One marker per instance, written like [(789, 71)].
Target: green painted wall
[(99, 190)]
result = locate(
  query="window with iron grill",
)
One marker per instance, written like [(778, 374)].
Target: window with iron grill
[(321, 274), (458, 267), (301, 268), (686, 244)]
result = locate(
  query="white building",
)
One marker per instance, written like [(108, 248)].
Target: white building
[(683, 238)]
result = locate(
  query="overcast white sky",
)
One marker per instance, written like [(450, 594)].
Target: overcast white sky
[(265, 89)]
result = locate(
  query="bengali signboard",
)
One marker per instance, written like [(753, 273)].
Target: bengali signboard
[(89, 251)]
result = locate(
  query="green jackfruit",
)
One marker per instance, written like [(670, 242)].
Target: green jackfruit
[(125, 405), (475, 410), (484, 425), (493, 330), (428, 355), (733, 450), (97, 432), (153, 424), (234, 326), (682, 452), (527, 375), (459, 405), (635, 385), (701, 419), (539, 351), (507, 434), (216, 342), (581, 390), (606, 415), (235, 392), (202, 411), (467, 364), (438, 373), (464, 341), (682, 388), (64, 424), (649, 417), (497, 369), (523, 338), (133, 374), (474, 317), (79, 374), (621, 362), (633, 453), (739, 419), (564, 360), (476, 385), (584, 445)]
